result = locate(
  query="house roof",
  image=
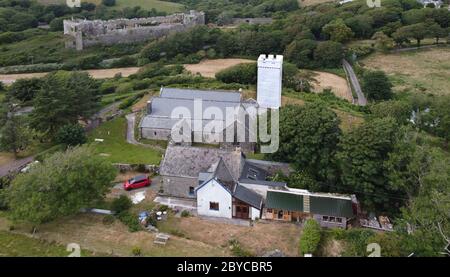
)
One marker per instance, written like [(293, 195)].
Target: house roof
[(284, 201), (248, 196), (324, 204), (331, 206), (207, 95), (187, 161)]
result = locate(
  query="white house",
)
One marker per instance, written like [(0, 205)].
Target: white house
[(221, 196)]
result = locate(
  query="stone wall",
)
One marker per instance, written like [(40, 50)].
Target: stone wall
[(85, 33)]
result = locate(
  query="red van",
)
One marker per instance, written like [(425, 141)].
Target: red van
[(137, 182)]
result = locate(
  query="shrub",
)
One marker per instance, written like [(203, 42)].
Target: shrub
[(136, 251), (185, 213), (108, 219), (376, 85), (130, 220), (109, 3), (163, 208), (124, 88), (107, 87), (237, 250), (71, 135), (310, 239), (244, 73), (130, 100), (121, 204)]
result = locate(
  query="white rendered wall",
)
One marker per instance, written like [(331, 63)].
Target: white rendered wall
[(214, 192), (270, 75), (254, 213)]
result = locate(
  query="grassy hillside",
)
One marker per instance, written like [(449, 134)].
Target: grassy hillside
[(161, 6), (423, 71)]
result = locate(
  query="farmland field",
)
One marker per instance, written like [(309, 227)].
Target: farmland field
[(162, 6), (423, 71)]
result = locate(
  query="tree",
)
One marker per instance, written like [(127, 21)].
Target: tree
[(440, 113), (338, 31), (25, 89), (427, 212), (383, 42), (376, 85), (60, 186), (15, 136), (71, 135), (109, 3), (329, 54), (361, 25), (417, 31), (309, 241), (244, 73), (308, 138), (63, 99), (436, 31), (362, 156), (399, 110), (301, 53)]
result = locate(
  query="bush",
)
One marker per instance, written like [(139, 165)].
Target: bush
[(108, 219), (130, 220), (124, 88), (109, 3), (136, 251), (121, 204), (310, 239), (244, 73), (130, 100), (185, 213), (71, 135), (376, 85), (237, 250)]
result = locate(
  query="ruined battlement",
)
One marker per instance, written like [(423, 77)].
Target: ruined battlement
[(81, 33)]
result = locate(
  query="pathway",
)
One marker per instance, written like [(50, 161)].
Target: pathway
[(14, 166), (362, 101), (131, 122)]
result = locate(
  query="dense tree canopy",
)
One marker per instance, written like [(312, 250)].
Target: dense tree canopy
[(60, 186), (308, 139), (64, 98), (376, 85)]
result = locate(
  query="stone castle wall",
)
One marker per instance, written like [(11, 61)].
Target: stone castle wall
[(81, 34)]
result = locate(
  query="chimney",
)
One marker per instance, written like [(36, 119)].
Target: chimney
[(149, 106)]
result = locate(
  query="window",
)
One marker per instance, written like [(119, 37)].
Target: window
[(214, 206), (252, 174), (191, 190), (325, 218), (332, 219), (269, 211), (338, 220)]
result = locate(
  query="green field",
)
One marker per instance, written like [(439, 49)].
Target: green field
[(161, 6), (115, 147), (422, 71)]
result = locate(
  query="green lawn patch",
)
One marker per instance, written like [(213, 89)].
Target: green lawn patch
[(115, 147)]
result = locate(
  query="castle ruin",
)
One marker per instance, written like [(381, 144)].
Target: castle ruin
[(81, 33)]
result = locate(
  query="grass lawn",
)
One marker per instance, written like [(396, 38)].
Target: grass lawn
[(162, 6), (422, 71), (16, 245), (115, 147)]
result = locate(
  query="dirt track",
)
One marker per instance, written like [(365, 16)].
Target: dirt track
[(336, 83), (95, 73)]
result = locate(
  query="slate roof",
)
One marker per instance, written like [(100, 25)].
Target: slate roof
[(207, 95), (188, 161), (248, 196), (254, 174)]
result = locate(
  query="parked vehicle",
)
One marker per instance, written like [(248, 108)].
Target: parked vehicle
[(137, 182)]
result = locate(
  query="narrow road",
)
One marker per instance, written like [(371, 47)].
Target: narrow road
[(362, 101), (14, 166), (131, 122)]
